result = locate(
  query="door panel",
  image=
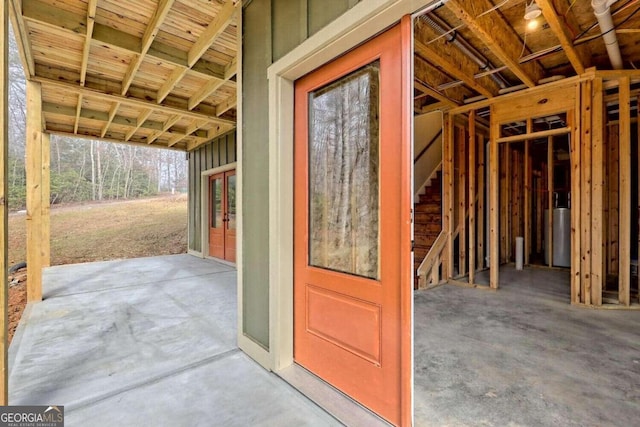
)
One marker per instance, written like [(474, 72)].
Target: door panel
[(350, 327), (230, 211), (216, 216), (222, 216)]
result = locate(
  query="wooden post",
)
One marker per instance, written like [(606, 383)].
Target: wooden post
[(585, 195), (462, 203), (574, 122), (638, 207), (34, 191), (45, 240), (597, 178), (481, 201), (527, 201), (4, 144), (624, 225), (473, 168), (549, 236), (447, 196), (494, 244)]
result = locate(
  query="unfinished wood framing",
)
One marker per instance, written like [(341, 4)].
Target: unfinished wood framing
[(549, 236), (473, 168), (447, 194), (37, 207), (461, 225), (624, 269)]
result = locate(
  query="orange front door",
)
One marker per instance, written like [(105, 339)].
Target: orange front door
[(352, 322), (222, 216)]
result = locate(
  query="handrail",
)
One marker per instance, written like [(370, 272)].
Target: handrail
[(424, 150), (429, 260)]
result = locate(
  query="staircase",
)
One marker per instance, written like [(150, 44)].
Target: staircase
[(428, 221)]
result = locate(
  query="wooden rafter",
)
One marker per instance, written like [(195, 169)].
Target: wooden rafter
[(22, 37), (215, 28), (149, 36), (78, 111), (578, 56), (496, 33), (451, 60), (193, 127), (171, 83)]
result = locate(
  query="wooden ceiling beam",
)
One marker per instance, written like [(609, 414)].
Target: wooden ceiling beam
[(213, 85), (226, 105), (22, 37), (43, 13), (131, 101), (496, 33), (171, 83), (165, 127), (450, 59), (134, 123), (144, 115), (214, 29), (78, 110), (86, 49), (164, 6), (427, 79), (577, 55), (112, 114)]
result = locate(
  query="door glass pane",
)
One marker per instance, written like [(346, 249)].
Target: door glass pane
[(343, 174), (231, 202), (216, 203)]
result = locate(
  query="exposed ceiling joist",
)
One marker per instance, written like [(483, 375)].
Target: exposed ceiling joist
[(496, 33), (144, 115), (91, 20), (22, 38), (78, 110), (36, 11), (578, 56), (451, 60), (164, 6), (428, 79), (171, 83), (112, 114), (215, 28), (226, 105), (167, 125), (135, 102)]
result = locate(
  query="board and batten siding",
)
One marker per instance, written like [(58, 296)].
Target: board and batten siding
[(219, 152), (271, 29)]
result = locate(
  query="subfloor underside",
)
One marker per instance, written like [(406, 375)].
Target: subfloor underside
[(523, 356)]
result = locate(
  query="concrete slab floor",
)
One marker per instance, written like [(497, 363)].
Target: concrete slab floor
[(144, 342), (522, 356)]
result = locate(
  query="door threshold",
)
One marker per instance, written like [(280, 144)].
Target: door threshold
[(339, 405)]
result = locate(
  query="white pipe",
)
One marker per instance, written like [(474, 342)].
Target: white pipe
[(519, 252), (602, 11)]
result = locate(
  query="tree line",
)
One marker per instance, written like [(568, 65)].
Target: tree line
[(83, 170)]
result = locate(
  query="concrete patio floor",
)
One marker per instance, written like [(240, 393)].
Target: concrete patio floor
[(522, 356), (145, 342)]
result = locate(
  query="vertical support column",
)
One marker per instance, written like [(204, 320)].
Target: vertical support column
[(549, 237), (480, 223), (527, 201), (462, 203), (45, 242), (585, 197), (4, 144), (597, 178), (638, 207), (494, 242), (36, 142), (573, 118), (624, 269), (473, 167), (447, 195)]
